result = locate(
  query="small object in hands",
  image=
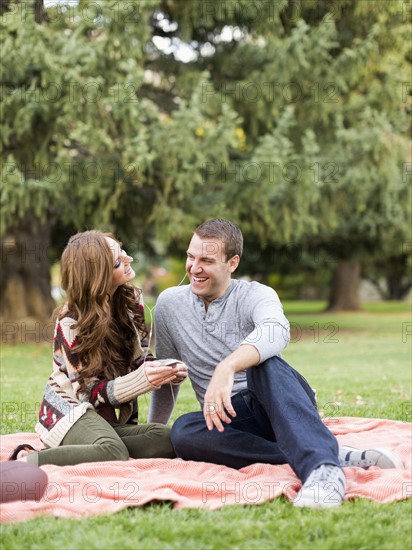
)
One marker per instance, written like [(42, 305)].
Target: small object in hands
[(21, 481), (172, 363), (169, 362)]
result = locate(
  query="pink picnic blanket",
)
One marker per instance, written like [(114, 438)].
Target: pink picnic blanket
[(107, 487)]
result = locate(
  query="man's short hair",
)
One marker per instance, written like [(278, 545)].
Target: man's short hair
[(224, 230)]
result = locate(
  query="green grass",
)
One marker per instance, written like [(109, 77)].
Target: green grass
[(360, 365)]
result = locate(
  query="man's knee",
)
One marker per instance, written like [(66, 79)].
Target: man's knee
[(275, 368), (274, 363), (269, 369), (182, 431), (276, 372), (179, 427)]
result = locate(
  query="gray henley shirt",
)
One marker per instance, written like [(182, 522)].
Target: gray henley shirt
[(248, 313)]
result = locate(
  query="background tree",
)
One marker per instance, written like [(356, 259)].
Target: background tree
[(81, 141), (147, 116), (322, 90)]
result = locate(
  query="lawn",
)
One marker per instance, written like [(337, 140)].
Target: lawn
[(360, 365)]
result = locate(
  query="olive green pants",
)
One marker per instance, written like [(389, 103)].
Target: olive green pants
[(93, 439)]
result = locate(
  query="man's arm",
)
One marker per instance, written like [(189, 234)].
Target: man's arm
[(271, 332), (162, 401), (269, 336)]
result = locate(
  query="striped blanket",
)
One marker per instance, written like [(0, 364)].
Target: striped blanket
[(107, 487)]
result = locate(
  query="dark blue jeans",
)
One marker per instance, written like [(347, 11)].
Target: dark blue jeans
[(277, 423)]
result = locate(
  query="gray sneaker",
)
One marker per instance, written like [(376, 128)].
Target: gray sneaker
[(379, 457), (324, 488)]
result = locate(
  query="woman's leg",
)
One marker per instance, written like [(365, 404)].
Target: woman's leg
[(91, 439), (146, 440)]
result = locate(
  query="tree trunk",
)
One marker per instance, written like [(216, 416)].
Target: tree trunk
[(398, 278), (395, 289), (344, 295), (25, 283), (391, 276), (4, 6)]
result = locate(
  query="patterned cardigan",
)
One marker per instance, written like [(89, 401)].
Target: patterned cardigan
[(62, 406)]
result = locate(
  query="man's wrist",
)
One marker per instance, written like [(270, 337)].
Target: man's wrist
[(227, 366)]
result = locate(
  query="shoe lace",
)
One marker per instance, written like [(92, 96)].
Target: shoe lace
[(322, 473)]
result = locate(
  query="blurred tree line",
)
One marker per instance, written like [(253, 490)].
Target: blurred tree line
[(146, 117)]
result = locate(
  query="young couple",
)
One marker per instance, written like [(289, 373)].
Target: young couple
[(227, 335)]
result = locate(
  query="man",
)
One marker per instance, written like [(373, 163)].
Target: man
[(256, 408)]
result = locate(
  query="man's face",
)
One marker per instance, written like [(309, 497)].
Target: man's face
[(208, 269)]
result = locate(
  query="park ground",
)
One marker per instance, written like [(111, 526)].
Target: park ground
[(360, 365)]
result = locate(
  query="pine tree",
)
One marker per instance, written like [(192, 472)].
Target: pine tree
[(323, 91), (84, 134), (146, 117)]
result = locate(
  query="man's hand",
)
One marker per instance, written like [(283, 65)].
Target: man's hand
[(218, 395), (217, 403)]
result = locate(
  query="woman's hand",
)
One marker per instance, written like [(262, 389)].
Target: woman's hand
[(164, 371)]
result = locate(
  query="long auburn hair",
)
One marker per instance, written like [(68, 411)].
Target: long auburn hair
[(108, 326)]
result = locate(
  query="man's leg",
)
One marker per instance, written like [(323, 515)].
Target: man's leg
[(310, 448), (251, 438), (290, 406), (248, 439), (279, 401)]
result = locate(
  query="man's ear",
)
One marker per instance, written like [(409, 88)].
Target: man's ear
[(233, 263)]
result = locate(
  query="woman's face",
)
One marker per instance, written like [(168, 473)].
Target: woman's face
[(122, 270)]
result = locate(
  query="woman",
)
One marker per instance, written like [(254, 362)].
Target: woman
[(101, 363)]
